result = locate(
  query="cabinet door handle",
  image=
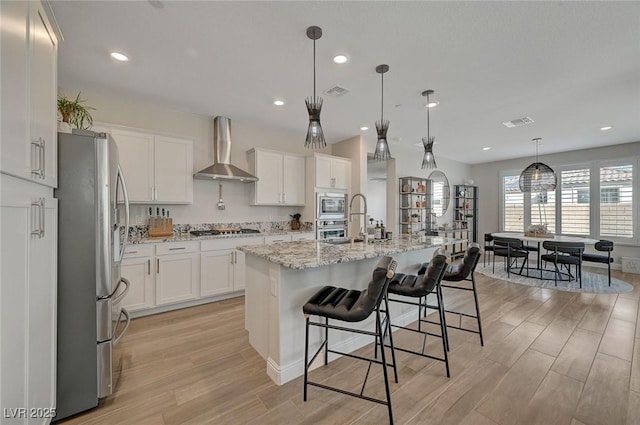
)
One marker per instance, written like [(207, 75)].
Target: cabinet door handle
[(284, 198), (177, 249), (157, 265), (39, 230), (153, 193), (38, 170), (231, 258), (155, 189), (149, 266)]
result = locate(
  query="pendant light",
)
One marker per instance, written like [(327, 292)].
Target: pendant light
[(537, 177), (315, 136), (382, 147), (428, 160)]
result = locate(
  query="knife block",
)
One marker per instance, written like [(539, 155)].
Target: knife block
[(160, 227)]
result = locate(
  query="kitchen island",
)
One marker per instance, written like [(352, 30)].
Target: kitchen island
[(281, 277)]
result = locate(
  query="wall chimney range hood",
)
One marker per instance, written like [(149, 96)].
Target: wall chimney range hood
[(222, 169)]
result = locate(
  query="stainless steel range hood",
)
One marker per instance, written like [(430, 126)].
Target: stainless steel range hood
[(222, 169)]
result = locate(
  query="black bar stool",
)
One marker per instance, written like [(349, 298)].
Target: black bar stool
[(350, 305), (462, 271), (419, 286)]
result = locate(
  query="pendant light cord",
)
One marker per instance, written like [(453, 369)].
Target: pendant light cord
[(314, 70), (382, 102), (428, 127)]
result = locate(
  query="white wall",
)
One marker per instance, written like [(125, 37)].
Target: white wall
[(377, 200), (487, 177), (199, 128)]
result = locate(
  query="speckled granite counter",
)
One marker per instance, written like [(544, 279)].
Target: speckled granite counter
[(185, 237), (309, 254)]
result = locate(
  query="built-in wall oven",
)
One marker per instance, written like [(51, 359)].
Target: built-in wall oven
[(331, 206), (331, 229), (331, 215)]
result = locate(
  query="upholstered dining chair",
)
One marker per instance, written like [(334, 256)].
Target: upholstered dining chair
[(602, 246), (510, 249), (564, 254)]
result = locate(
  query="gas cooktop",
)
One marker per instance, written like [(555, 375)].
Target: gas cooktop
[(229, 231)]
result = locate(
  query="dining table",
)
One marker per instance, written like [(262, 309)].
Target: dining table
[(539, 239)]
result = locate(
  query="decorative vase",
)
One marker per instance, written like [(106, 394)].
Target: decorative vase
[(295, 225), (64, 127)]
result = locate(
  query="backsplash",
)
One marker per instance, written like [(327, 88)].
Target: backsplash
[(142, 231)]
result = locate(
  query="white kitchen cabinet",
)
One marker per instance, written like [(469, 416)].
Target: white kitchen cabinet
[(281, 178), (28, 318), (158, 169), (217, 272), (331, 172), (28, 64), (138, 266), (177, 272)]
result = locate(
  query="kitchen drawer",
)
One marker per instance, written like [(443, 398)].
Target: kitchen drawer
[(305, 236), (176, 248), (139, 250), (277, 238), (229, 243)]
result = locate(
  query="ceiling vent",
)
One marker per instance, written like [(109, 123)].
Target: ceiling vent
[(336, 91), (517, 123)]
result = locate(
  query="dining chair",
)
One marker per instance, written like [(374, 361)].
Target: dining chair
[(602, 246), (488, 246), (510, 249), (564, 254)]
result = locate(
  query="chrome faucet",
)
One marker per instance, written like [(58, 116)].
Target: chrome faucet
[(351, 213)]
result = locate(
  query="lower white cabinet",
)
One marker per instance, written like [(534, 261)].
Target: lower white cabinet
[(28, 316), (138, 267), (217, 271), (177, 272)]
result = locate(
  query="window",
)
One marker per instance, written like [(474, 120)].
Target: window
[(513, 205), (574, 202), (594, 199), (543, 209), (616, 198)]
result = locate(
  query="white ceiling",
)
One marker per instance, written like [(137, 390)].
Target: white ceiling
[(571, 66)]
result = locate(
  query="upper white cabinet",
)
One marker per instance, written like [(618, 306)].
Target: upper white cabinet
[(281, 177), (28, 77), (158, 169), (331, 172)]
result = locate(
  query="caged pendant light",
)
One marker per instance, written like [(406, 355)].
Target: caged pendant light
[(428, 160), (315, 136), (382, 147), (537, 177)]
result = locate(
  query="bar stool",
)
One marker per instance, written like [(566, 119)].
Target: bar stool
[(350, 305), (419, 286), (462, 271)]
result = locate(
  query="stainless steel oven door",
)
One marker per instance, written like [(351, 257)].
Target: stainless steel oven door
[(331, 205), (332, 233)]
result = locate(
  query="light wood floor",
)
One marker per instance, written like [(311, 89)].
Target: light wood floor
[(550, 357)]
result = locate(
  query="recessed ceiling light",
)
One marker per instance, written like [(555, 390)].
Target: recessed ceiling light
[(364, 128), (119, 56), (486, 148), (278, 102), (606, 127), (340, 59)]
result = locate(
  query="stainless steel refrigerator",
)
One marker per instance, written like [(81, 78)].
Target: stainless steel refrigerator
[(93, 220)]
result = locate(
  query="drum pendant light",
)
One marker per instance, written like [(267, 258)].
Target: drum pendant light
[(382, 147), (428, 160), (315, 136), (537, 177)]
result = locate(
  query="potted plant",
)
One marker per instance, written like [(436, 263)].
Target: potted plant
[(73, 113)]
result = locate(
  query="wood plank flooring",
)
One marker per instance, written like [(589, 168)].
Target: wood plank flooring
[(550, 357)]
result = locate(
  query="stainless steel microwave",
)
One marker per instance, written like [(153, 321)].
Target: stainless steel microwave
[(331, 205)]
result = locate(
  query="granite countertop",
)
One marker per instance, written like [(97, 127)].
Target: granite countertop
[(186, 237), (310, 254)]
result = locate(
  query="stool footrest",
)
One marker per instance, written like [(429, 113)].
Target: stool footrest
[(418, 353), (338, 390)]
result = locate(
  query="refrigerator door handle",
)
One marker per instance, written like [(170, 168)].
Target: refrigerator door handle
[(118, 335), (120, 179), (117, 298)]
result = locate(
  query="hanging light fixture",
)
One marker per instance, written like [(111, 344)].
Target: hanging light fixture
[(428, 160), (382, 147), (537, 177), (315, 136)]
